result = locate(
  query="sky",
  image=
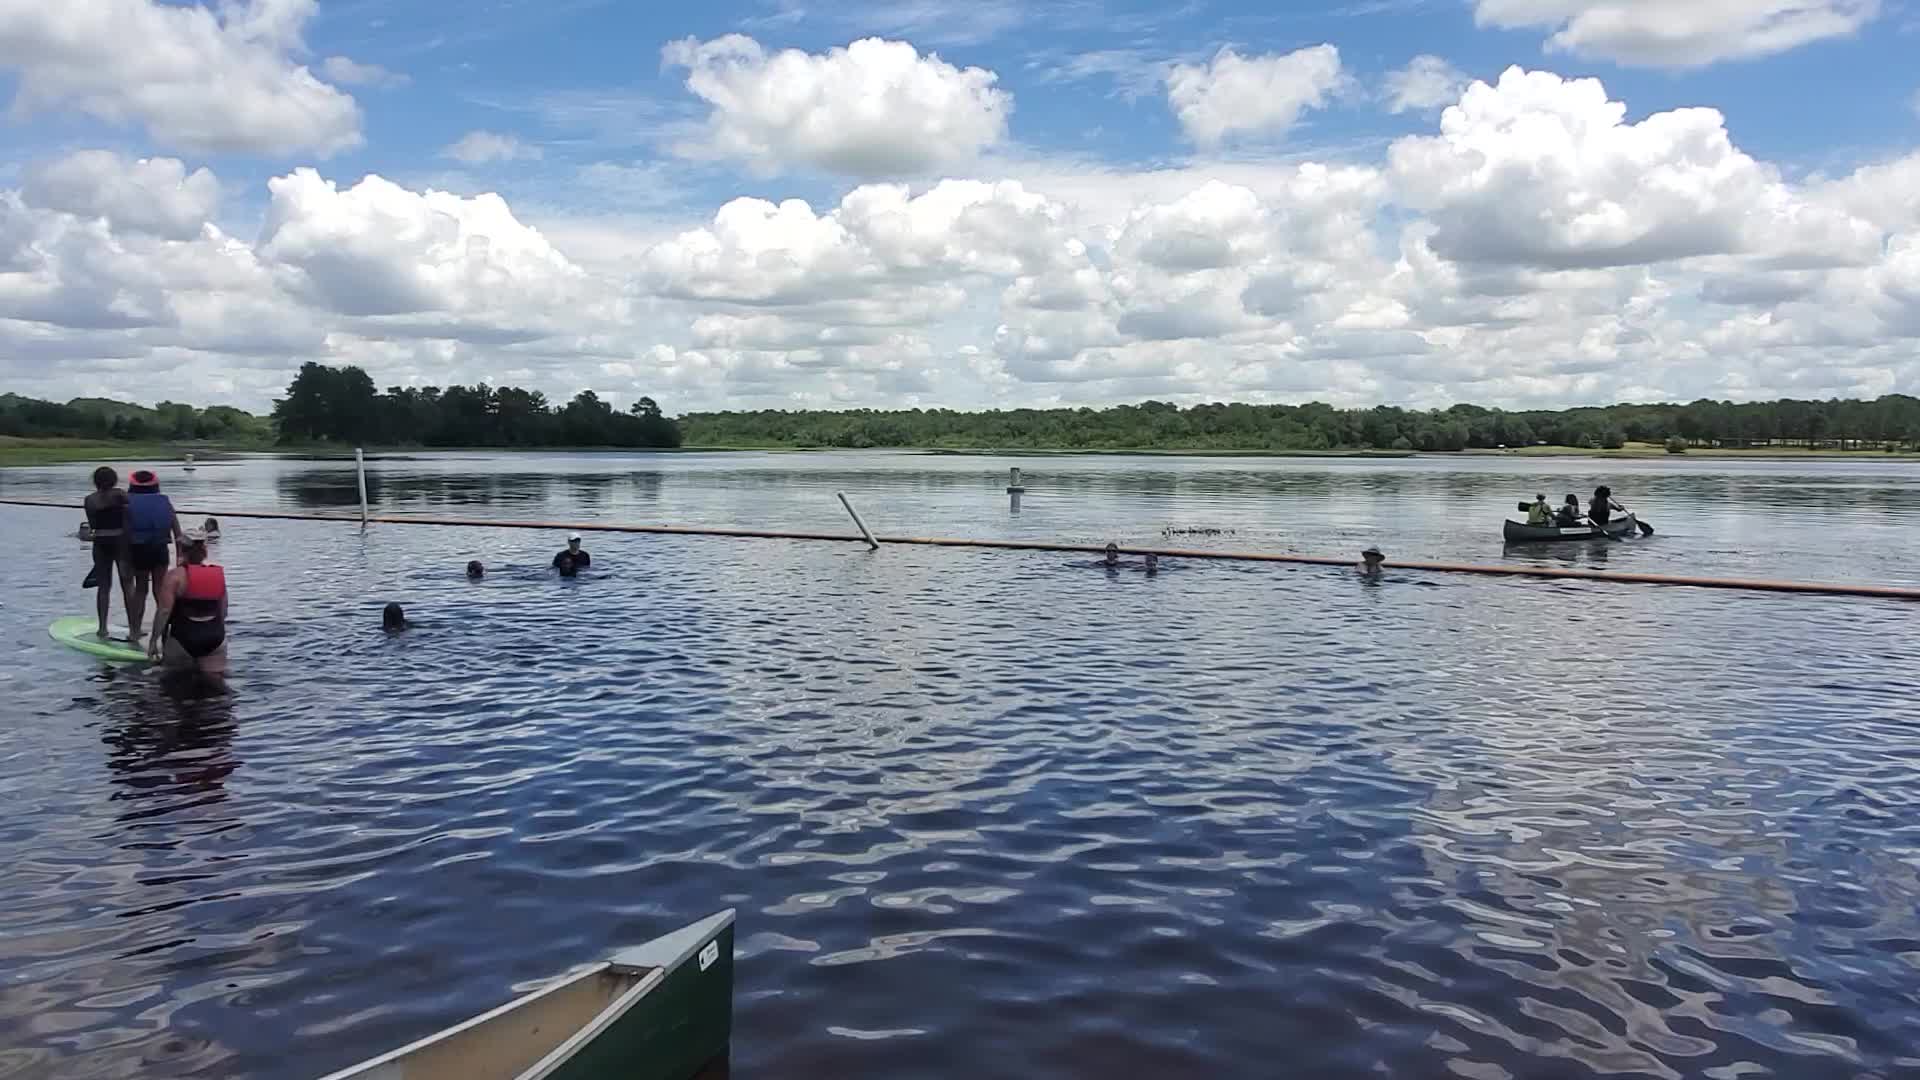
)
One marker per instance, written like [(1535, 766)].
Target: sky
[(978, 204)]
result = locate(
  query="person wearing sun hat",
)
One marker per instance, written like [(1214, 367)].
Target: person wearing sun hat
[(152, 528)]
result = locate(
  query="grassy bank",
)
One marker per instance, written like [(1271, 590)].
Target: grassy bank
[(17, 451)]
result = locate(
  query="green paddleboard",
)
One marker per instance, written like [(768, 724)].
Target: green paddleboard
[(76, 632)]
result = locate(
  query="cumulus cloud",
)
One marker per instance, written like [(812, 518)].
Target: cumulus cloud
[(378, 249), (874, 108), (1427, 82), (1546, 171), (155, 195), (196, 78), (1660, 33), (484, 147), (1251, 95)]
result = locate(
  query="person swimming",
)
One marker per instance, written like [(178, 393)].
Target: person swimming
[(475, 571), (1112, 557), (1153, 563), (210, 529), (190, 613), (1370, 562), (393, 618), (580, 557), (564, 563)]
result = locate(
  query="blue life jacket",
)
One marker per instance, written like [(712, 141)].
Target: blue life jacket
[(149, 517)]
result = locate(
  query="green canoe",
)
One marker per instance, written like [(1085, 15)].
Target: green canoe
[(658, 1011)]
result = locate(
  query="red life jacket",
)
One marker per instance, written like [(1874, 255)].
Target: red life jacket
[(206, 587)]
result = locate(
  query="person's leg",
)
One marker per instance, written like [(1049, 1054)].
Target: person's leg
[(214, 664), (103, 572), (137, 604), (123, 566)]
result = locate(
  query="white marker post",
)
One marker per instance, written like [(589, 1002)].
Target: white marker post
[(872, 544), (360, 467), (1014, 490)]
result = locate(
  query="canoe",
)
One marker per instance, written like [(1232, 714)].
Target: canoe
[(1519, 532), (658, 1011)]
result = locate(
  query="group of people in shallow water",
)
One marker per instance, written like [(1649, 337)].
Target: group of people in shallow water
[(138, 541), (1599, 511)]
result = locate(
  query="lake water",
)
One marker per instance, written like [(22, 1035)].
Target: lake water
[(1001, 813)]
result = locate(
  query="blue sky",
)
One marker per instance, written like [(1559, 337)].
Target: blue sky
[(1102, 199)]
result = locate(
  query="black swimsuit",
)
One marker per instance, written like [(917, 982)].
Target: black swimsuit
[(111, 548), (197, 626)]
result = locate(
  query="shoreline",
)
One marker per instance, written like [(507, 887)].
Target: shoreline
[(17, 452)]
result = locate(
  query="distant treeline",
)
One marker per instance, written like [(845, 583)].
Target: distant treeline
[(1891, 421), (100, 418), (328, 404)]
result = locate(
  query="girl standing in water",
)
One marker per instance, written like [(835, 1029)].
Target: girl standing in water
[(106, 508)]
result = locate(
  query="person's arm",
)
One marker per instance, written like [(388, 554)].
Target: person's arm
[(179, 534), (162, 610)]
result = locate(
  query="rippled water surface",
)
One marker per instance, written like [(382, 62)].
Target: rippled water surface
[(988, 813)]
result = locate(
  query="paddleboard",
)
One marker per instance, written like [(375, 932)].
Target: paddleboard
[(76, 632)]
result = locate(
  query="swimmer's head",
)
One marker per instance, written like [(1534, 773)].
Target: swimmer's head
[(1113, 554), (393, 619), (1372, 556), (211, 525), (475, 570), (573, 541), (566, 565), (1153, 563)]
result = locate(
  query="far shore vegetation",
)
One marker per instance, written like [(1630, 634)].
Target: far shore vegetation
[(327, 411)]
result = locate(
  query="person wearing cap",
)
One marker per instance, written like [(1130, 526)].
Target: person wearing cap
[(151, 525), (1370, 561), (574, 554), (1540, 513), (190, 613)]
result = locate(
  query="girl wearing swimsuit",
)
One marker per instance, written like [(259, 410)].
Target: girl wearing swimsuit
[(191, 613), (106, 510)]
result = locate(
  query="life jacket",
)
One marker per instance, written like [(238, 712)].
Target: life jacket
[(150, 516), (206, 587)]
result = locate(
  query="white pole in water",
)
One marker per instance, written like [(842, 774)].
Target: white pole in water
[(1014, 490), (872, 544), (360, 467)]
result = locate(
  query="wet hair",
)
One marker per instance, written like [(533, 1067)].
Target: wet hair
[(210, 525), (1153, 562), (475, 570), (1113, 552), (392, 617), (104, 478), (566, 565)]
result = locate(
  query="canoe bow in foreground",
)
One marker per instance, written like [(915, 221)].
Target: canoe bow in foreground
[(658, 1011), (1518, 532)]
